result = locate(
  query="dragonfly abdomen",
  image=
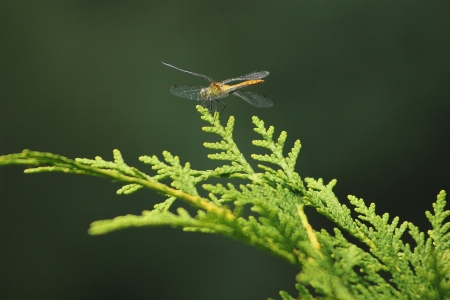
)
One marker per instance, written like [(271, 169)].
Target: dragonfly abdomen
[(231, 88)]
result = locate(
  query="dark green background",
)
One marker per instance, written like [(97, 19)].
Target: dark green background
[(364, 86)]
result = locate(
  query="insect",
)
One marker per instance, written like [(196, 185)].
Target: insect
[(219, 90)]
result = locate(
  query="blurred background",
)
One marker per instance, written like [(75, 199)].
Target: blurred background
[(364, 86)]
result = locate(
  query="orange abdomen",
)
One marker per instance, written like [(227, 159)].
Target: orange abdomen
[(232, 88)]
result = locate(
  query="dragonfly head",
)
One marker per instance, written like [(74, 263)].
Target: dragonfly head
[(204, 93)]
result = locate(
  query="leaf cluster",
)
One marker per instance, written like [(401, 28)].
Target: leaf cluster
[(268, 212)]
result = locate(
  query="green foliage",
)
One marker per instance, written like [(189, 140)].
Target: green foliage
[(330, 266)]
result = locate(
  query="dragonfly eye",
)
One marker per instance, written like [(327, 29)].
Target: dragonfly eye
[(204, 93)]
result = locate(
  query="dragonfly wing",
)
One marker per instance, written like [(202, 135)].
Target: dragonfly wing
[(189, 72), (187, 91), (254, 99), (249, 76)]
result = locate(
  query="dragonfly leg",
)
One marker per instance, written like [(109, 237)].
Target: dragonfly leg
[(213, 105), (222, 104), (202, 105)]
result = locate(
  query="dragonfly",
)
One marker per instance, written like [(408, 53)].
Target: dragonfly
[(217, 90)]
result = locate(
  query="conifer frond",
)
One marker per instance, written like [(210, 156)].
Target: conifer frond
[(128, 189), (157, 218), (239, 167), (331, 267), (287, 164), (384, 240), (439, 237)]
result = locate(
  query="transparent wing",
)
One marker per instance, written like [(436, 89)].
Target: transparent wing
[(254, 99), (189, 72), (187, 91), (249, 76)]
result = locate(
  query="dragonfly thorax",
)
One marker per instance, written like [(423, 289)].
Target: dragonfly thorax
[(214, 91)]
